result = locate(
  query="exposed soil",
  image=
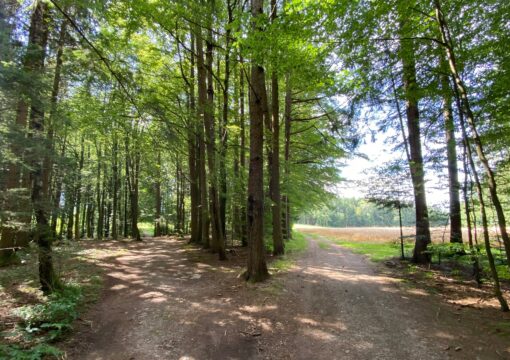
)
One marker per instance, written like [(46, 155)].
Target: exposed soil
[(164, 299)]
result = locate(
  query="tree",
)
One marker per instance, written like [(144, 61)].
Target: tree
[(257, 268), (387, 189)]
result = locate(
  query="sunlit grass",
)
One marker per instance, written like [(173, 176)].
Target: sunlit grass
[(146, 228), (293, 247), (376, 251)]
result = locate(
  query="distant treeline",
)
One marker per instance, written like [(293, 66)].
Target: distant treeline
[(351, 212)]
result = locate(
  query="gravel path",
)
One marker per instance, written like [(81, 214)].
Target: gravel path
[(165, 300)]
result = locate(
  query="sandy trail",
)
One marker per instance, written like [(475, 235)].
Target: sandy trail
[(165, 300)]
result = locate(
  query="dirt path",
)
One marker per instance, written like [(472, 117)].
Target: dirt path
[(165, 300)]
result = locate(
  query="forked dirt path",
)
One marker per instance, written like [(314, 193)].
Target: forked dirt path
[(166, 300)]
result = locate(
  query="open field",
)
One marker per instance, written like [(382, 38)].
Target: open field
[(370, 234)]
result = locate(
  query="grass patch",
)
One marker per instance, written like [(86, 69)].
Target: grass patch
[(293, 247), (376, 251), (146, 228), (323, 245)]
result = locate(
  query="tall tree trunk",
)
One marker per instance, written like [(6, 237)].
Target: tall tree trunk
[(58, 190), (38, 40), (497, 288), (451, 154), (257, 268), (407, 54), (462, 90), (100, 209), (70, 192), (274, 175), (242, 152), (202, 101), (474, 250), (217, 240), (115, 187), (288, 118), (157, 195), (192, 155), (224, 126), (78, 192), (132, 174)]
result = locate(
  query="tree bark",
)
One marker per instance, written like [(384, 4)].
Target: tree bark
[(192, 155), (451, 154), (115, 187), (287, 118), (274, 177), (78, 193), (202, 103), (407, 54), (257, 268), (38, 39), (157, 195)]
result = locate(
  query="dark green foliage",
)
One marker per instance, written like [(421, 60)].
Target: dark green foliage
[(38, 352)]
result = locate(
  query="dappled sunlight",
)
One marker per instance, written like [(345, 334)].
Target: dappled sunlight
[(319, 334), (308, 307), (419, 292), (256, 309), (340, 275)]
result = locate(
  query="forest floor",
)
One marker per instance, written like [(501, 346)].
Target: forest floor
[(164, 299)]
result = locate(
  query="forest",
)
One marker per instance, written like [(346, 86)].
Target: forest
[(217, 125)]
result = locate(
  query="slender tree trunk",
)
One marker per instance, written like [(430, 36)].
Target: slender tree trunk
[(474, 250), (257, 268), (274, 176), (495, 277), (70, 210), (157, 195), (78, 193), (192, 155), (451, 153), (288, 118), (217, 241), (401, 232), (407, 54), (58, 190), (242, 153), (462, 90), (202, 100), (100, 209), (115, 187), (132, 174)]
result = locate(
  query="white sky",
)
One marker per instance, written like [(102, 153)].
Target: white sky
[(379, 153)]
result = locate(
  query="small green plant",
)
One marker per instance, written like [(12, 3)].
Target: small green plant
[(450, 250), (323, 245), (52, 318)]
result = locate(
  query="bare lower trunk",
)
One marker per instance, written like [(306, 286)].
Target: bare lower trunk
[(257, 268), (287, 118), (451, 153)]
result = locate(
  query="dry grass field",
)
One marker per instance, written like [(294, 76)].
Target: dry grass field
[(370, 234)]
